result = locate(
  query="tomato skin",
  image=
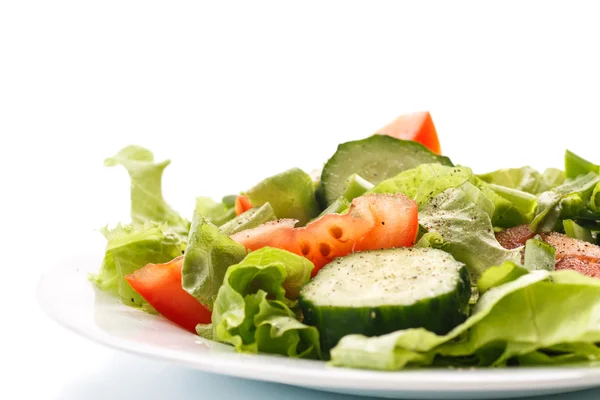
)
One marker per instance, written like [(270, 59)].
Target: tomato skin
[(242, 204), (160, 286), (373, 222), (416, 126)]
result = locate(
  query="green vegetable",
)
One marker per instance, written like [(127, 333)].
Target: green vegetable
[(540, 301), (337, 207), (499, 275), (250, 219), (567, 201), (356, 186), (575, 231), (378, 292), (375, 159), (539, 255), (252, 310), (290, 193), (147, 202), (525, 179), (425, 181), (130, 248), (461, 219), (512, 207), (216, 213), (208, 256), (575, 165)]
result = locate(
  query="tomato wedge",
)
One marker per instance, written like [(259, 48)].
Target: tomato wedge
[(375, 221), (242, 204), (160, 285), (418, 127)]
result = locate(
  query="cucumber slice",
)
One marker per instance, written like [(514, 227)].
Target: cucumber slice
[(375, 159), (377, 292), (250, 219)]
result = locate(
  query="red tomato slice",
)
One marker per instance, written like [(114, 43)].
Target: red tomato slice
[(418, 127), (242, 204), (375, 221), (160, 285)]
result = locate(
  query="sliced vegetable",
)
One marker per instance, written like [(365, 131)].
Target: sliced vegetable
[(416, 126), (540, 301), (208, 256), (339, 206), (373, 222), (160, 285), (290, 193), (539, 255), (242, 204), (252, 311), (376, 159), (250, 219), (378, 292)]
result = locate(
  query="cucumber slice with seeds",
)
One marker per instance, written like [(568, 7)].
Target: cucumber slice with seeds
[(378, 292)]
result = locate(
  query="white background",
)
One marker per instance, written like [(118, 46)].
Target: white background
[(232, 92)]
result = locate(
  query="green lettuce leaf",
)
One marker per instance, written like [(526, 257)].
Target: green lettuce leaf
[(518, 319), (130, 248), (425, 181), (525, 179), (147, 202), (576, 165), (512, 207), (571, 200), (214, 212), (208, 255), (290, 193), (252, 310), (461, 218)]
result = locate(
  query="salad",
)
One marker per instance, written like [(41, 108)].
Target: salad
[(394, 257)]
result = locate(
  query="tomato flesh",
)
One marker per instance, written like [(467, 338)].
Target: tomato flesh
[(418, 127), (375, 221), (160, 286), (242, 204)]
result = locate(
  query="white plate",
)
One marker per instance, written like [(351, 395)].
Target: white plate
[(65, 293)]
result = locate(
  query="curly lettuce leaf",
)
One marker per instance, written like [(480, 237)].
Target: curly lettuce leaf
[(461, 218), (147, 202), (525, 179), (252, 310), (514, 320), (130, 248), (214, 212), (425, 181), (208, 255)]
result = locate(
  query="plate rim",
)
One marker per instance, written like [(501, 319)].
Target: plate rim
[(306, 374)]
